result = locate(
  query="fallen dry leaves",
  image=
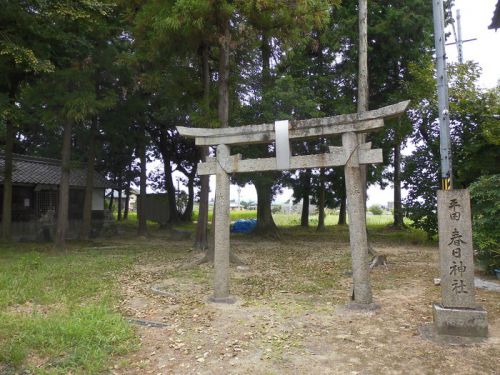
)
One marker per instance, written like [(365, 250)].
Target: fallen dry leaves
[(290, 316)]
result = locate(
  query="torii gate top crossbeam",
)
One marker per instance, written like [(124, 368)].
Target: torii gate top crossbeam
[(283, 131), (299, 129)]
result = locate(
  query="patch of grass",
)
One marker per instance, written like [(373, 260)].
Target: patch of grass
[(57, 278), (388, 234), (244, 214), (330, 219), (57, 309), (186, 226), (79, 340)]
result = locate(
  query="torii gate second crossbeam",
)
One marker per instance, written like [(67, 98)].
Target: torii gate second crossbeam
[(350, 155)]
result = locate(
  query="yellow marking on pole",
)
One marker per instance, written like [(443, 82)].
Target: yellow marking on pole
[(445, 183)]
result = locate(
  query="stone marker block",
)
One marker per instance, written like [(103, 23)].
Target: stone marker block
[(460, 321), (455, 249)]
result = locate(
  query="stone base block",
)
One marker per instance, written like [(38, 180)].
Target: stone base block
[(362, 306), (227, 300), (460, 321)]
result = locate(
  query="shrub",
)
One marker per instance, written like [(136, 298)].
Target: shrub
[(485, 197), (376, 209)]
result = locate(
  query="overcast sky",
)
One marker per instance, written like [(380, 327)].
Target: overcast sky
[(476, 17)]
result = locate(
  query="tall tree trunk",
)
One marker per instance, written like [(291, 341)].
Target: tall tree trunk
[(398, 207), (265, 221), (363, 90), (187, 215), (304, 217), (7, 181), (363, 57), (167, 169), (127, 202), (321, 202), (205, 77), (306, 192), (201, 240), (111, 199), (343, 211), (120, 197), (265, 50), (142, 228), (10, 135), (63, 206), (170, 189), (223, 84), (89, 184), (263, 184), (127, 192)]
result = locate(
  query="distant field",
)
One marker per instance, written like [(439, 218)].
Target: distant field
[(294, 219), (281, 220)]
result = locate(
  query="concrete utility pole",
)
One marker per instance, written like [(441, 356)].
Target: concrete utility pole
[(458, 38), (443, 101), (460, 42)]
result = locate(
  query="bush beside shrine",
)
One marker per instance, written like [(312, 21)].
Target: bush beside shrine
[(485, 197)]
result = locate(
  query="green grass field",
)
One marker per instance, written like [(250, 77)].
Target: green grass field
[(60, 308), (282, 220)]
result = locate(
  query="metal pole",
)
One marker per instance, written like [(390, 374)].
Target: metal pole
[(460, 42), (442, 91)]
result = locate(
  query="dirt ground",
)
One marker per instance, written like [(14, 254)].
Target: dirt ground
[(291, 317)]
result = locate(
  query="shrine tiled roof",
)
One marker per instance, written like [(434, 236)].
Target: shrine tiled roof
[(45, 171)]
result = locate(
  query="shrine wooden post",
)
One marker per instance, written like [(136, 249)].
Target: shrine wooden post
[(351, 155)]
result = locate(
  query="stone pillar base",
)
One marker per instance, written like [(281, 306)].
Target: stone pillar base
[(363, 306), (227, 300), (457, 321)]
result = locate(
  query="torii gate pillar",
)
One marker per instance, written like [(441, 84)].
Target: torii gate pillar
[(221, 230), (357, 224)]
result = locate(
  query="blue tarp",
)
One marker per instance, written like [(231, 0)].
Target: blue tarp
[(244, 226)]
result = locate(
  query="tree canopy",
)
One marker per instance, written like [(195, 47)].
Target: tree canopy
[(119, 76)]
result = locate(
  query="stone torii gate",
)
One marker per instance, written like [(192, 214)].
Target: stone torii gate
[(350, 155)]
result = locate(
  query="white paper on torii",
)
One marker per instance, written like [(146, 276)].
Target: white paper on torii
[(282, 144)]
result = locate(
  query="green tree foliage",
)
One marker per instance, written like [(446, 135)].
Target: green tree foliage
[(122, 66), (472, 116), (42, 37), (168, 41), (485, 196)]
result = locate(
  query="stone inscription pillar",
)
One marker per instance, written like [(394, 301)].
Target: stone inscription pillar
[(455, 249), (221, 228), (357, 222), (458, 313)]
